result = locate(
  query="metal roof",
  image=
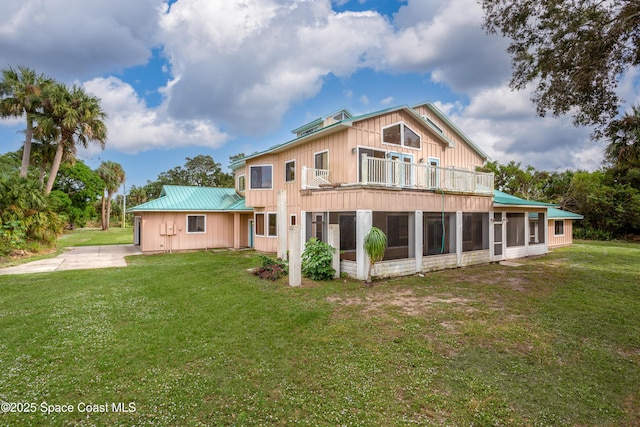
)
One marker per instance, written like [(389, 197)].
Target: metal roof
[(181, 198), (554, 213), (503, 199)]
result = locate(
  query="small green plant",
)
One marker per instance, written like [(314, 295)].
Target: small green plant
[(271, 269), (375, 243), (317, 259)]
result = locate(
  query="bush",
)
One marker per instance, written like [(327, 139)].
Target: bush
[(271, 269), (317, 259)]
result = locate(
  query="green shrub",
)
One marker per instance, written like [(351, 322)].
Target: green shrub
[(317, 259), (271, 269)]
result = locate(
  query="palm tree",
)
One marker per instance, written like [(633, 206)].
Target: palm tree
[(624, 136), (375, 243), (113, 176), (21, 94), (72, 117)]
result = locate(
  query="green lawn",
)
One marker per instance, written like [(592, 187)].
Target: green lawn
[(193, 339), (96, 236)]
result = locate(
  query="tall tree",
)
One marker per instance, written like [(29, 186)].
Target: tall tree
[(113, 176), (574, 51), (623, 150), (72, 117), (21, 93)]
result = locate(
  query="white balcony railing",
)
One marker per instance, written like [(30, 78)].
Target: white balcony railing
[(402, 174), (314, 178), (395, 173)]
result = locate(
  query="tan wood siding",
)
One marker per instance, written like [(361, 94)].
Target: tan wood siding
[(154, 237), (566, 239)]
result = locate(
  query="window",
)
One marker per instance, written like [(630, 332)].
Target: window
[(321, 160), (242, 182), (515, 229), (259, 224), (293, 220), (273, 224), (196, 224), (536, 228), (475, 231), (558, 227), (261, 177), (434, 173), (377, 170), (290, 171), (401, 134), (439, 233), (397, 230), (432, 123)]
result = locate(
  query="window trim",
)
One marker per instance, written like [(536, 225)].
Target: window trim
[(204, 231), (560, 221), (256, 222), (244, 181), (321, 152), (260, 166), (402, 135), (294, 171), (268, 225)]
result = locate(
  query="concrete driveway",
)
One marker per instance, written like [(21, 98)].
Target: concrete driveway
[(78, 258)]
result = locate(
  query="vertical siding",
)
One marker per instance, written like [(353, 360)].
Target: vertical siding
[(564, 240), (219, 232)]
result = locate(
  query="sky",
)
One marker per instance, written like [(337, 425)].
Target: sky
[(221, 77)]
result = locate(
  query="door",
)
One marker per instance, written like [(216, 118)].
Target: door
[(498, 237), (137, 228), (401, 172), (251, 233)]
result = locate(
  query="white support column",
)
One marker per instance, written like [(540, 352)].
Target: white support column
[(295, 256), (333, 238), (418, 240), (459, 238), (364, 222), (281, 224), (526, 233), (303, 229)]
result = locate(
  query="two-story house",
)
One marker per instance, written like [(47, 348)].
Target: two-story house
[(409, 171)]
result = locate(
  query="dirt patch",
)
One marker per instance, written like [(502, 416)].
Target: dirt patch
[(406, 300)]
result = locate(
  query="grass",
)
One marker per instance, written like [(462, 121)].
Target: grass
[(96, 236), (193, 339)]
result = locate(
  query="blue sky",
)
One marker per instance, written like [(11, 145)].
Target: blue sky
[(220, 77)]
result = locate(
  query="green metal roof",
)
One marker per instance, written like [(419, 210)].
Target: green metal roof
[(554, 213), (181, 198), (503, 199)]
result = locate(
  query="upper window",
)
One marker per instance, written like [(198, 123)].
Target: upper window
[(558, 228), (242, 182), (196, 224), (261, 176), (290, 171), (401, 134), (321, 160), (430, 120)]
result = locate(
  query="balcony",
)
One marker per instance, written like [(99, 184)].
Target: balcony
[(376, 172)]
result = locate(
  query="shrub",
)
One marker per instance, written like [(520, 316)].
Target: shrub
[(317, 259), (271, 269)]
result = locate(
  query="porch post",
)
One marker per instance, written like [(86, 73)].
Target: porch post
[(281, 224), (236, 230), (303, 229), (459, 238), (333, 238), (295, 256), (418, 240), (364, 222), (527, 233)]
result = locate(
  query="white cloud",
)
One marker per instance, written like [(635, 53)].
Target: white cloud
[(246, 67), (72, 39), (133, 127)]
